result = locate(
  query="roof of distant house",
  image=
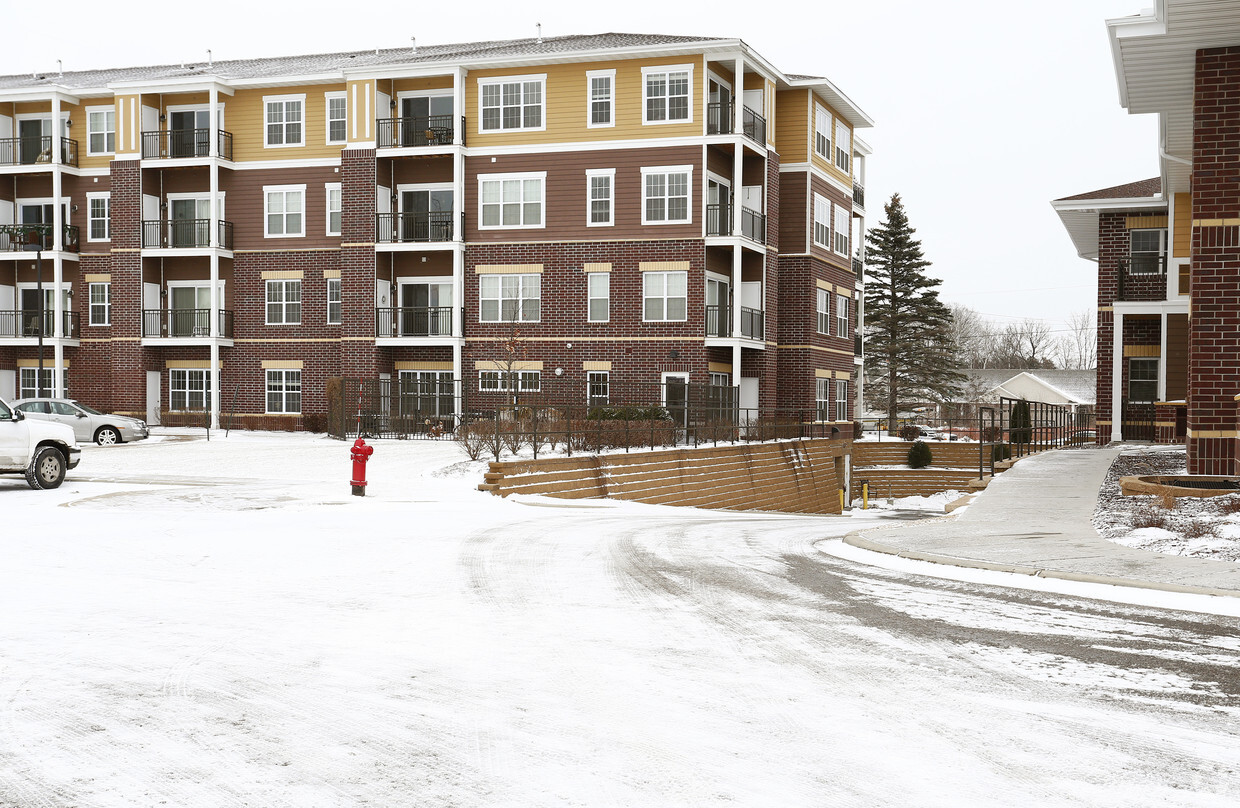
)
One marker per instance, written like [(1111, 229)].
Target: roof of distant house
[(1079, 385)]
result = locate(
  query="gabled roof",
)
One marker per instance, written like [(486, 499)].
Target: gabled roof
[(1079, 213), (1141, 189), (1074, 386)]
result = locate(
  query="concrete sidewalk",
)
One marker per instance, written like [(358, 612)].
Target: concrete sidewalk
[(1035, 519)]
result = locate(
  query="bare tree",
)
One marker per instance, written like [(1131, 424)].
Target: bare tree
[(970, 336), (1078, 347), (1027, 344)]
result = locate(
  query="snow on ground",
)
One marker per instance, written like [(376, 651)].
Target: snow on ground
[(935, 503), (208, 624)]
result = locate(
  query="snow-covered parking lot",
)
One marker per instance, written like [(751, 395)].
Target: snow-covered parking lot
[(193, 623)]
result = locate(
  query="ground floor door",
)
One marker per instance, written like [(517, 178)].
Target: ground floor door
[(153, 397)]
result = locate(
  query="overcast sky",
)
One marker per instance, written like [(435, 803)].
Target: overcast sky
[(984, 110)]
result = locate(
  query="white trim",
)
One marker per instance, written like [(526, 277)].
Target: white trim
[(665, 297), (268, 165), (267, 301), (501, 80), (670, 374), (500, 300), (528, 175), (284, 189), (328, 187), (648, 69), (284, 99), (327, 306), (589, 279), (611, 97), (610, 173), (328, 97), (689, 186), (102, 108), (98, 195), (843, 188)]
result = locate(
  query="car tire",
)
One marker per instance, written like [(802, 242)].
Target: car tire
[(47, 469), (107, 436)]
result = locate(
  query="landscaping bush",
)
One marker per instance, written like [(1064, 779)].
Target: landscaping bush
[(919, 455), (992, 434), (1001, 451), (1149, 515), (474, 439), (909, 432), (1021, 424), (1197, 529), (858, 429)]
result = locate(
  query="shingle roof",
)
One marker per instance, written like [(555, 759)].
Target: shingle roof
[(335, 62), (1141, 189), (1079, 384)]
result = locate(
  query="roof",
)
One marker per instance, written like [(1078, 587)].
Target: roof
[(1140, 189), (1079, 213), (1078, 386)]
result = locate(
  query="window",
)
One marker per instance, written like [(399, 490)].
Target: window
[(101, 304), (427, 392), (516, 102), (1146, 248), (100, 130), (597, 388), (601, 200), (602, 99), (511, 200), (30, 377), (286, 206), (841, 400), (667, 94), (843, 230), (822, 222), (337, 116), (333, 301), (1143, 380), (284, 120), (283, 391), (841, 316), (843, 146), (822, 132), (189, 389), (525, 381), (98, 217), (509, 298), (824, 311), (664, 296), (598, 296), (284, 302), (720, 379), (333, 208), (666, 196), (822, 398)]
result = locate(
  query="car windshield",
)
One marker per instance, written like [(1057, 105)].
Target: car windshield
[(83, 407)]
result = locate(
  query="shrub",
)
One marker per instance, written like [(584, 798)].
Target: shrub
[(1227, 505), (858, 429), (909, 432), (992, 434), (1198, 529), (1148, 515), (919, 455), (474, 439), (1001, 451), (1021, 424)]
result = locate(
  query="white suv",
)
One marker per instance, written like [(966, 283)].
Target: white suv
[(41, 450)]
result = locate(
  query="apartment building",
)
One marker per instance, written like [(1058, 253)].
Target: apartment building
[(586, 217), (1168, 248)]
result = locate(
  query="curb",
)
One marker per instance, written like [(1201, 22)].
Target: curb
[(858, 540)]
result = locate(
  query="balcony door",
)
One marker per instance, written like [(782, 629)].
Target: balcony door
[(189, 312), (426, 308), (189, 133), (718, 321), (427, 393), (426, 215), (720, 93), (34, 134), (42, 213), (427, 120), (718, 207), (29, 300), (189, 220)]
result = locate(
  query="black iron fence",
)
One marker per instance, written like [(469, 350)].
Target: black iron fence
[(719, 219), (753, 225), (414, 227), (36, 149), (185, 233), (27, 323), (719, 118), (180, 143), (859, 195), (425, 130), (1142, 277), (414, 321), (16, 237), (176, 323)]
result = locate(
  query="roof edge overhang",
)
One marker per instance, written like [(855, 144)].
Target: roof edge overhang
[(1080, 218), (1150, 22), (837, 99)]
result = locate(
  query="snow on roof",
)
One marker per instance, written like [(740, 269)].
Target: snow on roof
[(1077, 385)]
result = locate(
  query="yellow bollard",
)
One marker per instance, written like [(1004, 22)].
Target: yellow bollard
[(841, 500), (865, 495)]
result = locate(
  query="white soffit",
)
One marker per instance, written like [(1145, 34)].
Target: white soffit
[(1080, 218)]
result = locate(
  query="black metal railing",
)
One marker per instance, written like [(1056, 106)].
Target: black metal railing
[(172, 144), (414, 321), (858, 195), (754, 124), (857, 345), (184, 233), (36, 150), (752, 323), (15, 237), (719, 118), (719, 220), (68, 151), (753, 225), (1142, 277), (26, 323), (425, 130), (184, 323), (413, 227), (858, 266), (719, 322)]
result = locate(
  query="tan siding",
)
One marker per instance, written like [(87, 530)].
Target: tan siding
[(1182, 244), (246, 119), (794, 125)]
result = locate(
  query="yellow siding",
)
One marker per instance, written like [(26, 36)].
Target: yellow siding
[(1182, 236), (246, 119), (829, 165), (1137, 222), (77, 131), (419, 85), (566, 109), (794, 126), (128, 125), (359, 108)]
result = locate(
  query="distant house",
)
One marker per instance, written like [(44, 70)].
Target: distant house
[(1071, 388)]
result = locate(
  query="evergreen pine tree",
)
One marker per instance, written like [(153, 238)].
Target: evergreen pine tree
[(909, 350)]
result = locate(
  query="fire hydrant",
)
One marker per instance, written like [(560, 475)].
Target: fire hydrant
[(360, 454)]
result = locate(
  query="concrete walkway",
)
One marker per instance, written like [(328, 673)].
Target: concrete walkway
[(1035, 519)]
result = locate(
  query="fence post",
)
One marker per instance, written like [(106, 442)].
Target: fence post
[(497, 433), (534, 441), (568, 429)]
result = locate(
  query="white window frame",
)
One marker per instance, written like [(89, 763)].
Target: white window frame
[(666, 171), (1144, 360), (843, 231), (592, 294), (719, 379), (334, 296), (593, 379), (284, 101), (610, 174), (665, 297), (106, 303), (841, 316), (328, 189), (843, 147), (822, 131), (485, 179), (204, 374), (284, 190), (522, 282), (90, 113), (822, 399), (284, 304), (841, 399), (282, 379), (496, 381), (339, 95), (1136, 267), (822, 221), (610, 98), (541, 78), (823, 309), (666, 71), (91, 198)]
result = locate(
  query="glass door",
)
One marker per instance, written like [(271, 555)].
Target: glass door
[(718, 208), (720, 108), (190, 311), (189, 133), (189, 223), (426, 120), (426, 309), (29, 301), (426, 215), (36, 141), (718, 323)]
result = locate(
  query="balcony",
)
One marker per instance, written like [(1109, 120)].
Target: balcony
[(184, 323), (858, 266), (719, 121), (719, 322), (165, 144), (858, 195), (37, 150), (429, 130), (719, 222), (187, 234), (753, 225), (414, 321), (755, 125), (413, 228), (1142, 277), (24, 324), (15, 237)]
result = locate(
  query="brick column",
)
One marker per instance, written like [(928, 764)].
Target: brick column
[(358, 355), (1164, 423), (1213, 338), (126, 368)]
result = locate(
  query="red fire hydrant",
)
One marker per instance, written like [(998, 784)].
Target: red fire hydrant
[(360, 454)]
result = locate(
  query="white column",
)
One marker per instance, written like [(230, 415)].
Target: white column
[(213, 122), (458, 373), (58, 326), (217, 394), (57, 132), (1162, 357), (213, 236), (1117, 378), (458, 107)]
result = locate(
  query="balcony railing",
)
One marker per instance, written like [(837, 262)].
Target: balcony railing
[(414, 321), (36, 150), (427, 130), (184, 323), (176, 143), (393, 228), (857, 347), (755, 125), (15, 237), (858, 266), (25, 323), (1142, 277), (719, 118), (719, 220), (184, 233), (753, 225), (719, 322), (859, 195)]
